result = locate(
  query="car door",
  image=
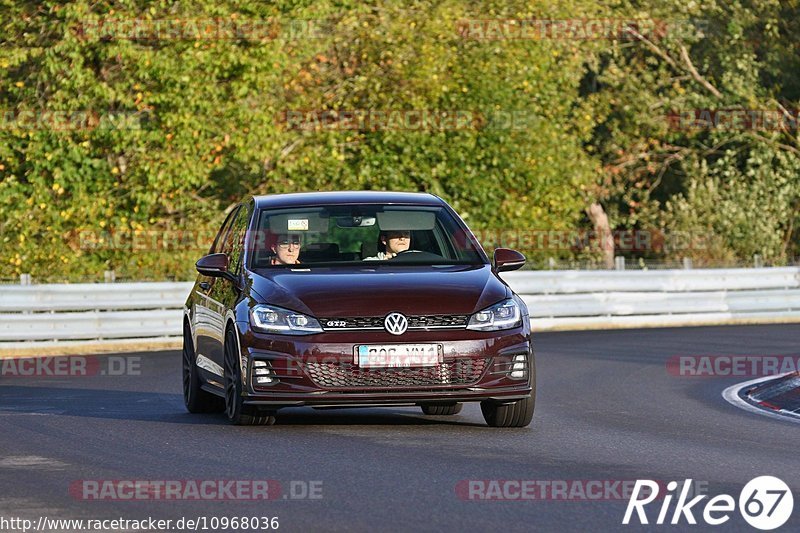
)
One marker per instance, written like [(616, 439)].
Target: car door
[(224, 292), (209, 312)]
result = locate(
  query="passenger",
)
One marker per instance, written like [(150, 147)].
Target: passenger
[(286, 250), (391, 243)]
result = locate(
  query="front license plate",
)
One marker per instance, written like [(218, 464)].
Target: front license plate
[(398, 355)]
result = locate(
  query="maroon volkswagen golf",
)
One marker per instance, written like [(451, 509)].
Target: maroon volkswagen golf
[(345, 299)]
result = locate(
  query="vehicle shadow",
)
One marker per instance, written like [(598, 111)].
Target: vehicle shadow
[(366, 416), (42, 400)]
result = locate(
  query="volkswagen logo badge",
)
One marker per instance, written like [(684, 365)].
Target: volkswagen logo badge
[(395, 323)]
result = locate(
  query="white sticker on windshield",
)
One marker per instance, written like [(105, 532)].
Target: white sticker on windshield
[(299, 224)]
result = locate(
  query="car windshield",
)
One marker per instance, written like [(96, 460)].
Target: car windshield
[(334, 235)]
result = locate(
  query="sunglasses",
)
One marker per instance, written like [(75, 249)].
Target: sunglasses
[(285, 244)]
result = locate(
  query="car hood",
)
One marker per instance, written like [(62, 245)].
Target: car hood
[(376, 291)]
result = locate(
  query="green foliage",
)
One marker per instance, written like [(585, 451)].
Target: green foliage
[(736, 189), (188, 126), (741, 214)]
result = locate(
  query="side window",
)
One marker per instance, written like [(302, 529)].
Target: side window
[(226, 243), (219, 239), (234, 243)]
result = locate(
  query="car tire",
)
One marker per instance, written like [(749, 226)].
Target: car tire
[(194, 397), (508, 415), (235, 409), (442, 410)]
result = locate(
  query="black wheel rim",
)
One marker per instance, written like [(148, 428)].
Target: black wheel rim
[(230, 378), (187, 365)]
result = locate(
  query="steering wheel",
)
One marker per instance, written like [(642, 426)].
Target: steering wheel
[(416, 255)]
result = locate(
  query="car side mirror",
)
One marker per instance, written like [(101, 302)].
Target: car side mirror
[(213, 265), (506, 259)]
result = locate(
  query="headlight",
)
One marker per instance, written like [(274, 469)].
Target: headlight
[(503, 315), (272, 319)]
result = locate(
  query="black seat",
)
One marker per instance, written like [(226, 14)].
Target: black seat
[(369, 249), (263, 257), (318, 252)]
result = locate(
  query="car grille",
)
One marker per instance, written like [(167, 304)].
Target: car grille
[(376, 322), (334, 375)]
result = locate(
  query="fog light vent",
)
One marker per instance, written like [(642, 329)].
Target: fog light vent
[(519, 367), (263, 374)]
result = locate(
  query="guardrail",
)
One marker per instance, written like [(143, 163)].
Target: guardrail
[(89, 311), (595, 299), (32, 315)]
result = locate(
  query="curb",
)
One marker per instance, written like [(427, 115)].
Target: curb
[(765, 396)]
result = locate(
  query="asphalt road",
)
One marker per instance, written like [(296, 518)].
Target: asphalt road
[(607, 409)]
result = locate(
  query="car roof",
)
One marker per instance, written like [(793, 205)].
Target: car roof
[(345, 197)]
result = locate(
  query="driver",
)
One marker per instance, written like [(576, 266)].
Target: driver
[(391, 243), (286, 250)]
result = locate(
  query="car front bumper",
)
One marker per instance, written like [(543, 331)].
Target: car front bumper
[(322, 370)]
